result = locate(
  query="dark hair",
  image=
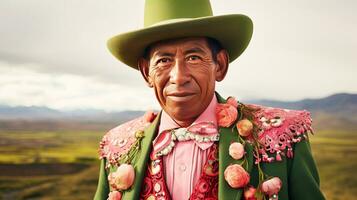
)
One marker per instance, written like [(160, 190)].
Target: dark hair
[(213, 44), (215, 47)]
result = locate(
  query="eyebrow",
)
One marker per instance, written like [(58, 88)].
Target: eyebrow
[(194, 50), (162, 54)]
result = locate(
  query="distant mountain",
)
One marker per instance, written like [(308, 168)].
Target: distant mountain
[(43, 118), (38, 113), (335, 111), (331, 103), (32, 112)]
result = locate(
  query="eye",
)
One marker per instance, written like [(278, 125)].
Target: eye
[(163, 61), (193, 58)]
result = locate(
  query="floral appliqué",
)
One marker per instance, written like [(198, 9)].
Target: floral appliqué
[(270, 131), (279, 130), (118, 142)]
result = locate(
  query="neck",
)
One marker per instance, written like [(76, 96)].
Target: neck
[(184, 123)]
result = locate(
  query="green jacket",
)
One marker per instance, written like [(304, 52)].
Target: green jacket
[(299, 175)]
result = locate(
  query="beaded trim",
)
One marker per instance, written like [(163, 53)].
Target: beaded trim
[(182, 134)]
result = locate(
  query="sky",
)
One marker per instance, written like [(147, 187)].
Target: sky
[(53, 53)]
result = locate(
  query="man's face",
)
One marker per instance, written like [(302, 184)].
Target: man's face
[(183, 74)]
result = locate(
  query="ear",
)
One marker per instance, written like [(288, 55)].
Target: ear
[(143, 66), (222, 65)]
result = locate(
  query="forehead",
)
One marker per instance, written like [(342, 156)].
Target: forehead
[(184, 43)]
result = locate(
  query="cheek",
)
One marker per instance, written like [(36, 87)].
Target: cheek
[(206, 67), (205, 76), (159, 80), (156, 77)]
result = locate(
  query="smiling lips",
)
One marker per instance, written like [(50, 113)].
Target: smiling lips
[(180, 96)]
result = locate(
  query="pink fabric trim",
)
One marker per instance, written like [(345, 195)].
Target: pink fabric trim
[(118, 141)]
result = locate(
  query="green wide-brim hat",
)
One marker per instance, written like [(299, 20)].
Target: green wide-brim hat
[(170, 19)]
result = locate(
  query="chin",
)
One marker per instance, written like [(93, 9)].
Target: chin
[(184, 113)]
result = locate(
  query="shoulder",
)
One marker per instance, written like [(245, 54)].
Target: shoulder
[(279, 129), (119, 140)]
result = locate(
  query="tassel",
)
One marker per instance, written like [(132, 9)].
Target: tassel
[(278, 157)]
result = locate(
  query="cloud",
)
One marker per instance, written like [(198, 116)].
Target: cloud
[(299, 49), (21, 86), (66, 36)]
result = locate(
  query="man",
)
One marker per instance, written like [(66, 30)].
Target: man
[(201, 146)]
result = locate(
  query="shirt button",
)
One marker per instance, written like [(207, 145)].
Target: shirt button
[(157, 187), (183, 168)]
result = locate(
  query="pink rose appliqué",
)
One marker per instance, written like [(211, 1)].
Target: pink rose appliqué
[(226, 115), (236, 176), (150, 116), (236, 150), (114, 195), (122, 178), (249, 194), (203, 186), (271, 186), (245, 127), (232, 101)]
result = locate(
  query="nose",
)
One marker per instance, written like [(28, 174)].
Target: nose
[(179, 73)]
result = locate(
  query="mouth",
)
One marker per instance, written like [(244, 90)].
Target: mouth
[(180, 96)]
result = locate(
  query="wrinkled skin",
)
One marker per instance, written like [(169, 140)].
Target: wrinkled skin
[(183, 74)]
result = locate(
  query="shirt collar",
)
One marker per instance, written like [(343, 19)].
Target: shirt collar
[(208, 115)]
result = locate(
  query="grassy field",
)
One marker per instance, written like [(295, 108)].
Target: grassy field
[(48, 165), (63, 164), (335, 153)]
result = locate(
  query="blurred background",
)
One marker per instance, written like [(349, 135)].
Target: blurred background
[(61, 90)]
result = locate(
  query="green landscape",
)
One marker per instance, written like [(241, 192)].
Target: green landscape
[(47, 154), (48, 165), (64, 164)]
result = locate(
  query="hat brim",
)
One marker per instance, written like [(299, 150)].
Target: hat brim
[(232, 31)]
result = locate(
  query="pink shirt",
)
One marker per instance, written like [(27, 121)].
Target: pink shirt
[(184, 164)]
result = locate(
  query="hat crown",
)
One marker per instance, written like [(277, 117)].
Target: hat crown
[(157, 11)]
